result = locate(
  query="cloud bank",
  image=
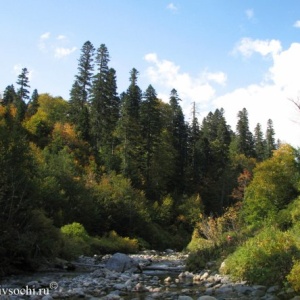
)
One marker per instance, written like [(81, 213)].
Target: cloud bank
[(267, 99)]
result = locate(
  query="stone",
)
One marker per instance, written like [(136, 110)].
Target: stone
[(204, 276), (121, 262), (273, 289), (185, 298), (207, 298), (47, 297)]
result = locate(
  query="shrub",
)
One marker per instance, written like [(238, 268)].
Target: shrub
[(114, 243), (76, 241), (293, 277), (264, 259)]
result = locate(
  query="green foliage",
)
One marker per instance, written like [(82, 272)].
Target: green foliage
[(119, 206), (76, 241), (273, 186), (293, 277), (112, 243), (264, 259), (75, 230), (202, 251)]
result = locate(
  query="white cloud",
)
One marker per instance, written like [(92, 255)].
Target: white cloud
[(45, 36), (270, 100), (297, 24), (248, 46), (267, 99), (42, 41), (249, 13), (172, 7), (61, 37), (218, 77), (61, 52), (167, 75), (55, 46)]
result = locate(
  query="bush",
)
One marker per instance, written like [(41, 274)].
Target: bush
[(293, 277), (264, 259), (76, 241), (114, 243)]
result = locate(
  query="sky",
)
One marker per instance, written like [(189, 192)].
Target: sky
[(226, 54)]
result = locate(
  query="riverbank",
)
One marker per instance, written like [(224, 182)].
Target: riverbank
[(144, 276)]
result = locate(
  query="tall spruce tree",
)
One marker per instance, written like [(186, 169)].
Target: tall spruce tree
[(259, 143), (129, 131), (193, 172), (214, 143), (179, 133), (270, 140), (151, 126), (100, 102), (33, 104), (9, 95), (80, 91), (22, 94), (245, 144)]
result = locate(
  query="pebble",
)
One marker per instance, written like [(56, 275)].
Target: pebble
[(110, 285)]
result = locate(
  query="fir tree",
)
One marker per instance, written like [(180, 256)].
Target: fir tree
[(129, 132), (270, 140), (245, 144), (100, 102), (33, 104), (22, 94), (80, 92), (9, 95), (150, 123), (259, 143), (179, 133)]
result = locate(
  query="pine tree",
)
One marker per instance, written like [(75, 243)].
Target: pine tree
[(129, 132), (193, 171), (179, 133), (22, 94), (23, 82), (9, 95), (245, 144), (270, 140), (259, 143), (214, 149), (100, 102), (150, 123), (33, 104), (80, 92)]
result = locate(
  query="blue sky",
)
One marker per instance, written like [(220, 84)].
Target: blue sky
[(217, 53)]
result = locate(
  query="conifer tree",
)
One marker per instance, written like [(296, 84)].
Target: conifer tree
[(150, 124), (270, 140), (214, 149), (193, 171), (259, 143), (80, 91), (33, 104), (179, 133), (245, 144), (100, 102), (129, 131), (9, 95), (22, 94)]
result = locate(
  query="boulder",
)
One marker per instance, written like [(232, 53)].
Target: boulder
[(121, 262)]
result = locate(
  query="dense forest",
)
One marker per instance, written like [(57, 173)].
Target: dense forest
[(102, 172)]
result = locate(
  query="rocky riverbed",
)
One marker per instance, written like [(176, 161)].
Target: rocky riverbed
[(144, 276)]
